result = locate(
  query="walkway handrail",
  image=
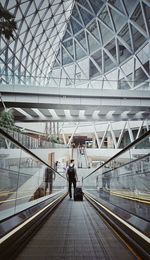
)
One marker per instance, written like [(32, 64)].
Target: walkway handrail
[(121, 152), (28, 151)]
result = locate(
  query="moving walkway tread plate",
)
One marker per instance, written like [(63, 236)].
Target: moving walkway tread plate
[(75, 231)]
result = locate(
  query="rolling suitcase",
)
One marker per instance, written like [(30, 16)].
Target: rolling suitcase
[(78, 194)]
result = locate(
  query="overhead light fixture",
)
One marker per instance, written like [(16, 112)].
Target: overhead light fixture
[(53, 113), (68, 114), (20, 110), (38, 113), (95, 114), (82, 114)]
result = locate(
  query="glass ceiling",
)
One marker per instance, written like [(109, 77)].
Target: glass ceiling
[(40, 28), (80, 43)]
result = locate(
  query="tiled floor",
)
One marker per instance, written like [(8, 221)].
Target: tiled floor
[(74, 232)]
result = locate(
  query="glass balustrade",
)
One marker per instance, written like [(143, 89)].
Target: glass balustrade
[(123, 184), (28, 141), (24, 179)]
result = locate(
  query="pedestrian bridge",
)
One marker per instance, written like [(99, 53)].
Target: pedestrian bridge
[(35, 103)]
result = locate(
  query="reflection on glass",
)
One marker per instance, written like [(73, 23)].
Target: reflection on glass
[(124, 181), (24, 179)]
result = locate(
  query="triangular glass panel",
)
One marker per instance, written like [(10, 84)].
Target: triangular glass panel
[(93, 70), (9, 54), (94, 30), (108, 63), (28, 19), (79, 51), (47, 25), (104, 16), (129, 80), (29, 37), (123, 83), (96, 5), (69, 47), (76, 15), (11, 45), (147, 67), (48, 16), (123, 51), (32, 9), (19, 15), (86, 16), (69, 28), (33, 46), (44, 4), (106, 33), (126, 139), (3, 44), (19, 24), (85, 4), (138, 38), (68, 82), (41, 45), (55, 7), (98, 58), (27, 45), (82, 40), (10, 4), (58, 56), (76, 27), (139, 76), (24, 6), (117, 4), (18, 54), (39, 31), (42, 13), (34, 30), (147, 15), (93, 44), (111, 47), (138, 17), (118, 19), (125, 35), (3, 59), (36, 21), (130, 5), (66, 36), (66, 57)]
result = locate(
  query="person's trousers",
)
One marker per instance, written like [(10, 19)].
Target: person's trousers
[(48, 185), (70, 187)]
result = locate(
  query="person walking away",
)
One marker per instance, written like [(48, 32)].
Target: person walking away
[(49, 177), (72, 177)]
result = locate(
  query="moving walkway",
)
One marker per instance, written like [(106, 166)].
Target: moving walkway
[(100, 227)]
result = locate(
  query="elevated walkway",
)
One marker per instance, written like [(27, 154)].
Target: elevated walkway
[(112, 103)]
